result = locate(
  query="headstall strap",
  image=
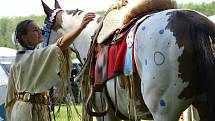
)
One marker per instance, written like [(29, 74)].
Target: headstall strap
[(53, 16), (47, 28)]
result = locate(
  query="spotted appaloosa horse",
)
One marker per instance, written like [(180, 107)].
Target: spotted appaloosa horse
[(174, 61)]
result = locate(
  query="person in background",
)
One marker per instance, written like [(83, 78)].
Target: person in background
[(34, 71)]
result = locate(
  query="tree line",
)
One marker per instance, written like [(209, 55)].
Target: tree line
[(206, 8), (8, 24)]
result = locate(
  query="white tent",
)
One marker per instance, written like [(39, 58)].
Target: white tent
[(7, 55), (3, 90)]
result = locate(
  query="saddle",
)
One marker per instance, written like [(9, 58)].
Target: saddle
[(121, 15), (104, 56), (112, 21)]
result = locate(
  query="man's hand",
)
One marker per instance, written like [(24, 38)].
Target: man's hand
[(87, 18), (71, 36)]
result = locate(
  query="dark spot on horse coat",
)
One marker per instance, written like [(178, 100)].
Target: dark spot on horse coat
[(74, 12), (161, 31), (143, 28), (99, 19), (197, 63), (145, 61), (181, 28), (162, 103)]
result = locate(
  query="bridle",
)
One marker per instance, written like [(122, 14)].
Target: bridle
[(47, 27)]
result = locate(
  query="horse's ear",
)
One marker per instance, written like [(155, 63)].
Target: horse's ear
[(47, 10), (57, 5)]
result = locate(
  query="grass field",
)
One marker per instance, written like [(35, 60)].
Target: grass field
[(62, 114)]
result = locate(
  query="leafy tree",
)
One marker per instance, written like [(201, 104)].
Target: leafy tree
[(7, 25), (206, 8)]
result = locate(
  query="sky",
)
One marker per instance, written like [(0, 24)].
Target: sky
[(13, 8)]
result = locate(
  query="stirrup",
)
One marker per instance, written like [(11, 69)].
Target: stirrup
[(94, 113)]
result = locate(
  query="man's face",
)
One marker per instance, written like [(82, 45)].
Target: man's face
[(34, 35)]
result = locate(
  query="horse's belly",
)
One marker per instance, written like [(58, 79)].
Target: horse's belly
[(120, 97)]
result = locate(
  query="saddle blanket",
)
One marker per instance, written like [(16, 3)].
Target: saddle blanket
[(121, 54)]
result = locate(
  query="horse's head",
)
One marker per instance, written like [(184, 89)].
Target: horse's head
[(53, 20), (65, 20)]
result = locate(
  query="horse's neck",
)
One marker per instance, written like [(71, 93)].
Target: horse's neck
[(82, 42), (54, 36)]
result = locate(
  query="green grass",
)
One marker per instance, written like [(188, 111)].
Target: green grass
[(62, 114)]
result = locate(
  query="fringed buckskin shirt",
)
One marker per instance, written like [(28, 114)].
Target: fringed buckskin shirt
[(35, 71)]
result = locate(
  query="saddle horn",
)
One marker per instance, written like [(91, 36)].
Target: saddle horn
[(47, 10), (57, 5)]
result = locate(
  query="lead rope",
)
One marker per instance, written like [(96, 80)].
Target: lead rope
[(131, 80), (129, 99), (115, 91), (51, 108)]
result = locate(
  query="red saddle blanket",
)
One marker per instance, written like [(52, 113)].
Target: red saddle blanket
[(110, 61), (116, 58)]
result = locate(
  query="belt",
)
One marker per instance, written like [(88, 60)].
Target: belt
[(38, 98)]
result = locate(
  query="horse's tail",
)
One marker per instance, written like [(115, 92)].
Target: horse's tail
[(203, 33)]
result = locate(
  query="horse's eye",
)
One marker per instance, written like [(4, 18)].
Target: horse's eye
[(43, 32)]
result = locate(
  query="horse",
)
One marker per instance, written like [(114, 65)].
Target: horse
[(174, 62), (212, 18)]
